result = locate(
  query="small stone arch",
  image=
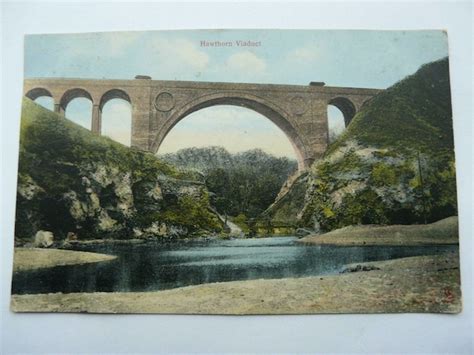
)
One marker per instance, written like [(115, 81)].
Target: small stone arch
[(97, 119), (72, 94), (113, 94), (271, 111), (346, 106), (33, 94)]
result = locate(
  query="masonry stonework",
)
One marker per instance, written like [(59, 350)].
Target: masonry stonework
[(158, 105)]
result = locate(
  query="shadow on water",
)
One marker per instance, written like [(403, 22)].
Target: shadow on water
[(154, 266)]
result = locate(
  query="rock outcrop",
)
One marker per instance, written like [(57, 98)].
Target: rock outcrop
[(393, 165), (43, 239), (73, 182)]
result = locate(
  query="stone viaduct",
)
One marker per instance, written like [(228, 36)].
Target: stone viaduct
[(157, 106)]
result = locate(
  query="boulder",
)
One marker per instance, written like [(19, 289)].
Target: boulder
[(43, 239), (177, 232), (359, 267), (71, 236), (137, 232)]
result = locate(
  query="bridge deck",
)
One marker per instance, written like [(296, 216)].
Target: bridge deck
[(32, 82)]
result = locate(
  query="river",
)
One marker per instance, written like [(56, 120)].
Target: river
[(155, 266)]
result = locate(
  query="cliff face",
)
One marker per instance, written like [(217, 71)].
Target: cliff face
[(393, 165), (71, 181)]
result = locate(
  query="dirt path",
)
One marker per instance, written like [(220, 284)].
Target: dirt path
[(415, 284)]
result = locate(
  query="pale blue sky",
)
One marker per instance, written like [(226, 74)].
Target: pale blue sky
[(374, 59)]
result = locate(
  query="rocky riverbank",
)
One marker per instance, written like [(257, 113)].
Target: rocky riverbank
[(73, 184), (26, 259), (394, 164), (415, 284), (441, 232)]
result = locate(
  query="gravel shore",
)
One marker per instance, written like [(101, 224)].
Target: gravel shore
[(35, 258), (444, 231)]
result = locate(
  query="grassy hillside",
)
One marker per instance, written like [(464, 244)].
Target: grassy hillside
[(72, 181), (413, 114), (395, 162)]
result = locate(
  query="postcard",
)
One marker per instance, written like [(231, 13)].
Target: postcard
[(237, 172)]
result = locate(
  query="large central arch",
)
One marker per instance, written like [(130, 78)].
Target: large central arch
[(275, 114)]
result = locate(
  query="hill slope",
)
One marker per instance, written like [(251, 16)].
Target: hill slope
[(395, 162), (415, 113), (71, 181)]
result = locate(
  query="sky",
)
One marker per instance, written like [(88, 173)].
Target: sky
[(372, 59)]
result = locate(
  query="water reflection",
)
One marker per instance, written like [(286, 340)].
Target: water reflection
[(153, 266)]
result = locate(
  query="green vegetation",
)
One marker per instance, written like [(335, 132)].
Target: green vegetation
[(72, 181), (383, 174), (284, 211), (414, 113), (242, 221), (393, 165), (242, 184)]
